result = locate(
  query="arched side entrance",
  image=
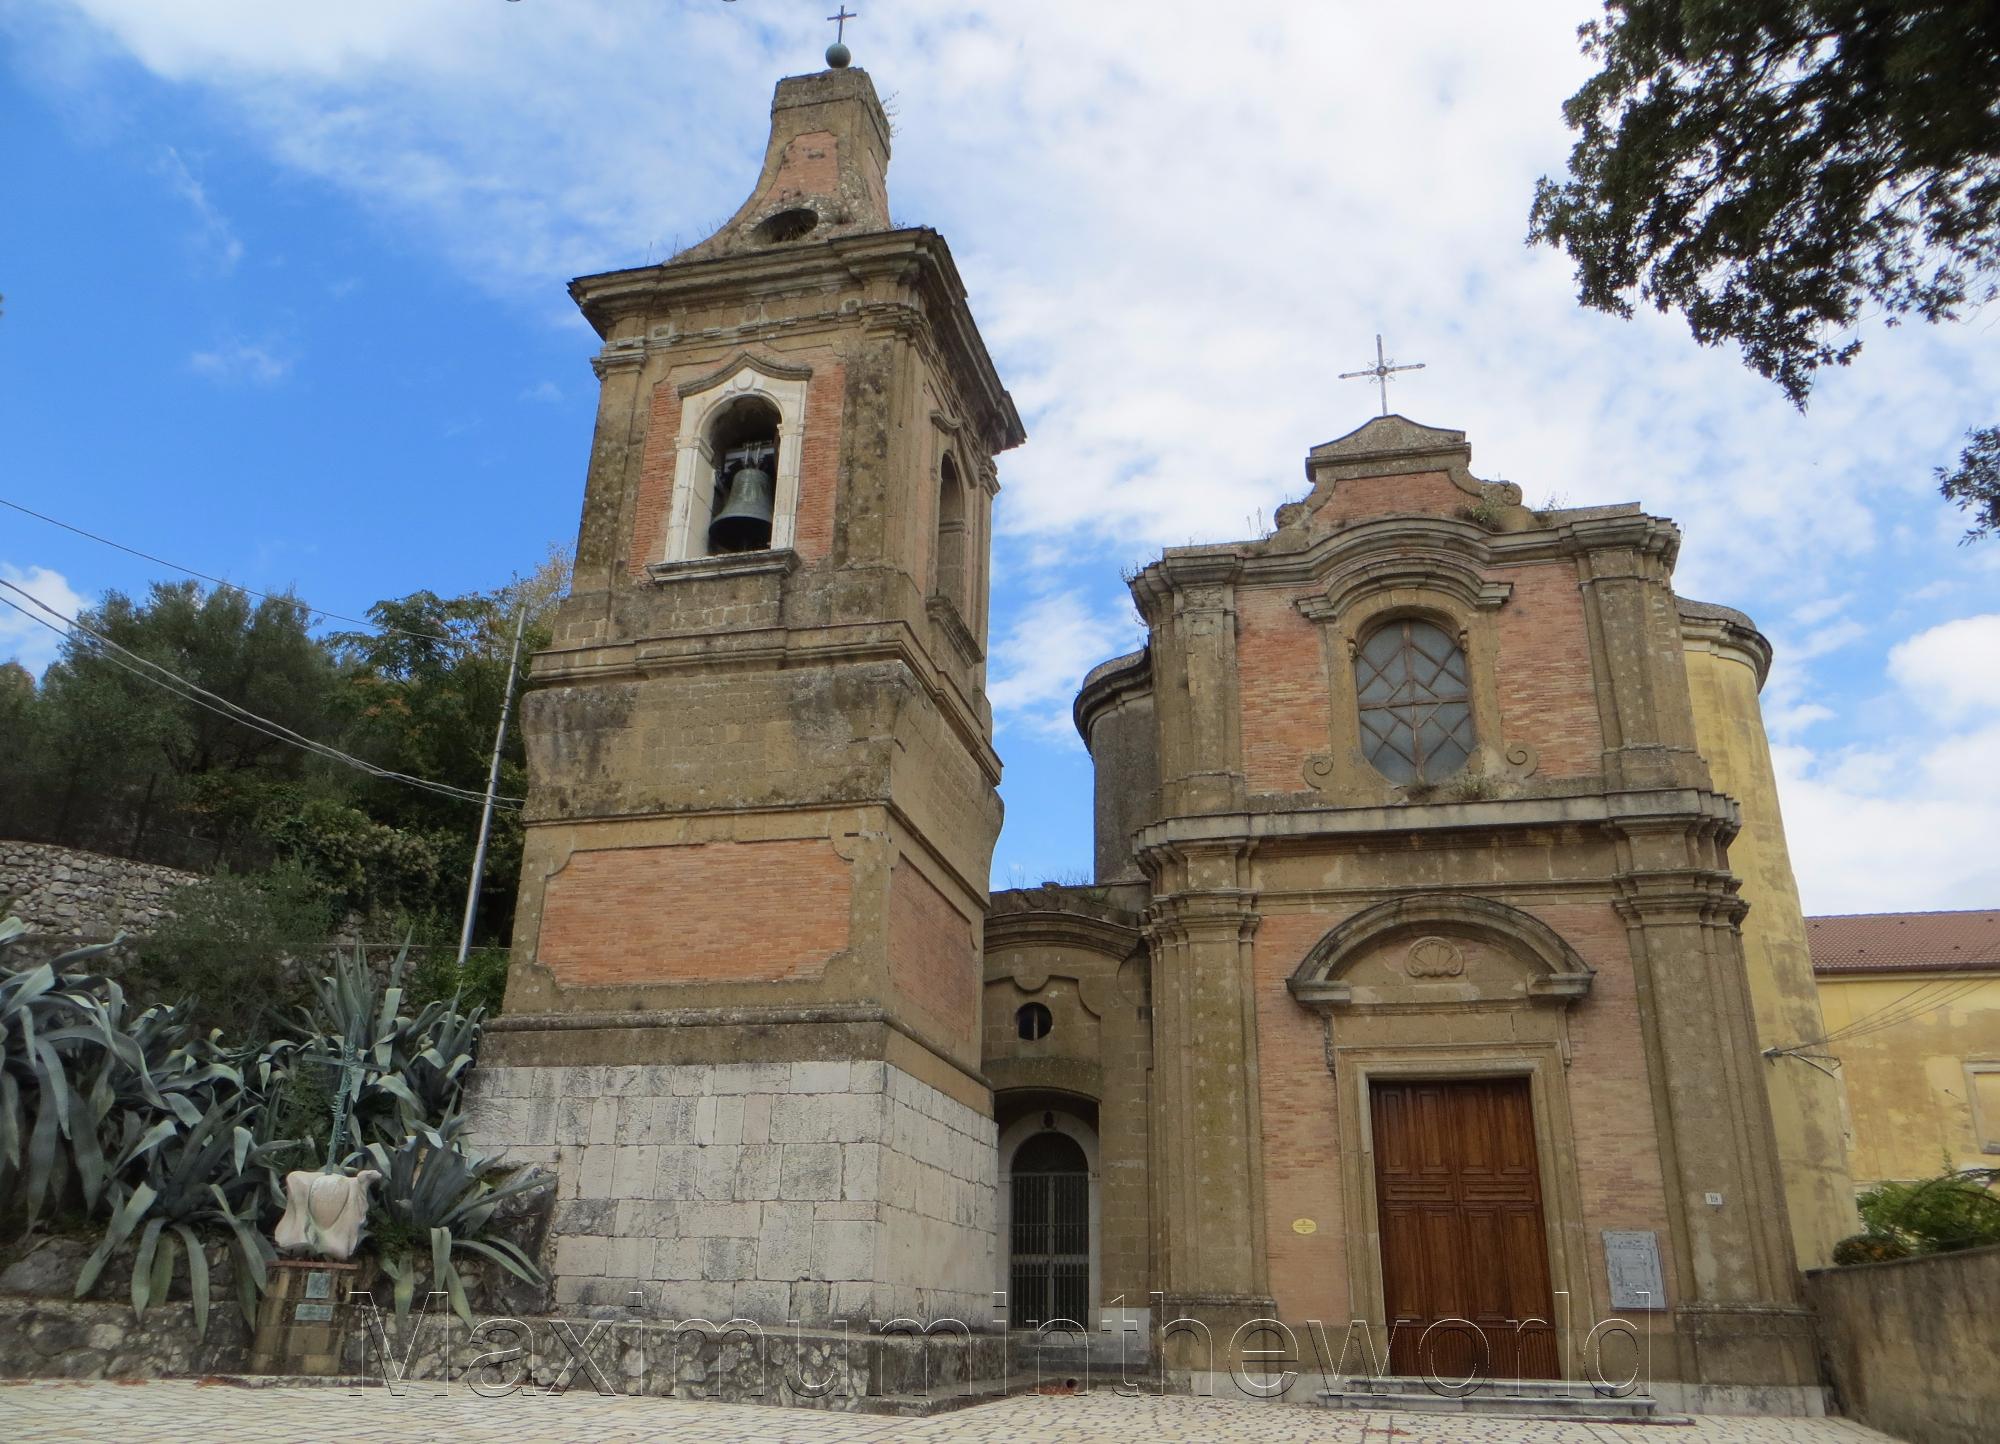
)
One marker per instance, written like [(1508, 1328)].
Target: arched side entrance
[(1049, 1223)]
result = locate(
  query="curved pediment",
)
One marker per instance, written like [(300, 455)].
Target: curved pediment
[(1421, 952), (1448, 565)]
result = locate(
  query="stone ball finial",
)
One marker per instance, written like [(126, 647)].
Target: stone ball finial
[(838, 56)]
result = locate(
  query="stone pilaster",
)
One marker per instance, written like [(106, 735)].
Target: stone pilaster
[(1208, 1164), (1634, 623), (1189, 602), (616, 451), (1738, 1319)]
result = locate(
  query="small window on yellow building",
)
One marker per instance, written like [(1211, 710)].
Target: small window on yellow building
[(1983, 1080)]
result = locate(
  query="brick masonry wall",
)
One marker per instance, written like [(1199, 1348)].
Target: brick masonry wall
[(1616, 1143), (654, 502), (931, 953), (809, 166), (765, 1191), (1547, 697), (703, 912), (1301, 1131), (68, 893), (1421, 491), (819, 463), (1285, 698)]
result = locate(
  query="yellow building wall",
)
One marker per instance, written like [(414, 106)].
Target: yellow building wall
[(1917, 1099), (1805, 1102)]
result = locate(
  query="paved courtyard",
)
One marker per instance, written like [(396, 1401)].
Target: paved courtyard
[(41, 1412)]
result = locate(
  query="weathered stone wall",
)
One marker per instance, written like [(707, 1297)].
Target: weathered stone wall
[(767, 1191), (1725, 661), (1910, 1345), (64, 1339), (69, 893), (861, 1371)]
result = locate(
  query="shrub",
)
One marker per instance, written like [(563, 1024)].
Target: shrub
[(231, 947), (479, 985), (1869, 1248), (1957, 1209)]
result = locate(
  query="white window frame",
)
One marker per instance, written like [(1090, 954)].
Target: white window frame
[(695, 460), (1985, 1131)]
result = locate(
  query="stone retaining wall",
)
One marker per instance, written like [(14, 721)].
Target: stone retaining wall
[(1910, 1345), (63, 892)]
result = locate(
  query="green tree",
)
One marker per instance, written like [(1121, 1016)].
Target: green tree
[(426, 691), (1775, 170), (135, 767)]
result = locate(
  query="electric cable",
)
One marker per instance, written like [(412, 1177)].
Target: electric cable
[(225, 582), (191, 692)]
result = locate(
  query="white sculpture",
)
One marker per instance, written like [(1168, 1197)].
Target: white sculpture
[(325, 1212)]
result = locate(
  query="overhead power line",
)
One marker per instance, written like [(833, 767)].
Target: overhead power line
[(225, 582), (170, 681), (1925, 998)]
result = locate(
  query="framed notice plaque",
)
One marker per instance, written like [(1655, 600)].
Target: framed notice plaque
[(1632, 1259)]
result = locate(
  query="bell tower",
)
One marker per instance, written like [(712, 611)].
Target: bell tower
[(742, 1017)]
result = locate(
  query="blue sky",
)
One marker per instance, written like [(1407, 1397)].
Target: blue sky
[(284, 302)]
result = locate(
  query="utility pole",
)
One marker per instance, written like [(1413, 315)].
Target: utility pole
[(492, 788)]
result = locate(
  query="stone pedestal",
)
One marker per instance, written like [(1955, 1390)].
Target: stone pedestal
[(825, 1191), (307, 1315)]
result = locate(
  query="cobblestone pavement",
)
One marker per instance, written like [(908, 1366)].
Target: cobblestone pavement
[(44, 1411)]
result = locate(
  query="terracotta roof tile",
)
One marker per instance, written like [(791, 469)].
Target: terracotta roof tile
[(1905, 942)]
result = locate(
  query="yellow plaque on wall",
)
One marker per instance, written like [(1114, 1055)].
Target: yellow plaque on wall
[(1304, 1225)]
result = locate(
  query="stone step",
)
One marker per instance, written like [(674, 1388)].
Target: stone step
[(1525, 1399), (1517, 1388)]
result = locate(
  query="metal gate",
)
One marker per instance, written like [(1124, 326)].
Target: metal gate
[(1049, 1233)]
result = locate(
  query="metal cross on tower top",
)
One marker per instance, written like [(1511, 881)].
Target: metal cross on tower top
[(840, 23), (1380, 372)]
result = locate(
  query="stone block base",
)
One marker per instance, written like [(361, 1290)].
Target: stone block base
[(304, 1315), (808, 1191)]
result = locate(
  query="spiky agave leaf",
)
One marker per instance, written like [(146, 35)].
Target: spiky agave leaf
[(436, 1190)]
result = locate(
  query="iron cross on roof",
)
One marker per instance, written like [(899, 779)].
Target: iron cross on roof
[(840, 23), (1380, 372)]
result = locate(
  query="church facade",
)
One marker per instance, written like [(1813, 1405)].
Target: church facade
[(1441, 912)]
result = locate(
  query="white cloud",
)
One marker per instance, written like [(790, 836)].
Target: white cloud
[(1955, 665), (1829, 638), (258, 364), (22, 638), (1911, 827), (216, 237), (1910, 818), (1174, 238), (1042, 659), (543, 391)]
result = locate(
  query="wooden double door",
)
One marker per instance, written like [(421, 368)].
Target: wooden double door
[(1465, 1266)]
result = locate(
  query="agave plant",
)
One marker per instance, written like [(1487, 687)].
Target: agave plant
[(63, 1054), (409, 1068), (436, 1197), (174, 1177)]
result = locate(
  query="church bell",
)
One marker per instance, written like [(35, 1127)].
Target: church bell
[(744, 523)]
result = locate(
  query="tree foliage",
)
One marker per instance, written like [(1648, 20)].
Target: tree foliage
[(101, 756), (1776, 170)]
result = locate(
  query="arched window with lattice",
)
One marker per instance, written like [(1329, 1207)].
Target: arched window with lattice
[(1411, 685)]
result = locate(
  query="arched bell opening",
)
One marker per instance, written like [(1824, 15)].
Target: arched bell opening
[(1049, 1210), (743, 439), (951, 537)]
